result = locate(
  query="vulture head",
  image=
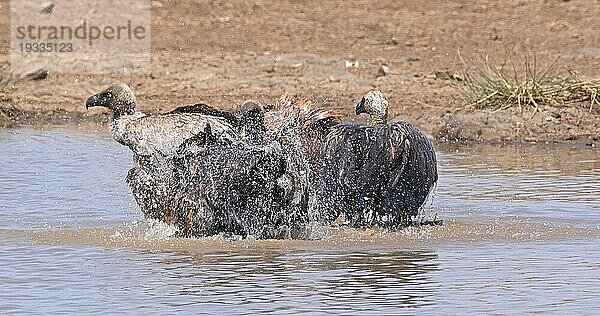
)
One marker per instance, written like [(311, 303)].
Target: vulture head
[(252, 120), (376, 105), (118, 98)]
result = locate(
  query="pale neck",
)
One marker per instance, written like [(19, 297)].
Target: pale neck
[(376, 120)]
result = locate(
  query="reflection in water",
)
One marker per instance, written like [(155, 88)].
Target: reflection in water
[(256, 280), (538, 277), (354, 281), (456, 277), (521, 235)]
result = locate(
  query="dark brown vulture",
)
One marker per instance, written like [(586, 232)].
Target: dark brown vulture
[(380, 174), (236, 187), (301, 129)]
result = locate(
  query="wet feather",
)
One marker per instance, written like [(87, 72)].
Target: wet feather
[(377, 174)]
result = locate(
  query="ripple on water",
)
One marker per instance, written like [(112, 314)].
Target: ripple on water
[(361, 275), (57, 178), (521, 181), (521, 235)]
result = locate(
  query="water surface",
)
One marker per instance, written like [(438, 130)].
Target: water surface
[(521, 235)]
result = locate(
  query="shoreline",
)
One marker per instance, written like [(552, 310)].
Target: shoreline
[(449, 133), (408, 50)]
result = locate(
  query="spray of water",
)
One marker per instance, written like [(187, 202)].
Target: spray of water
[(247, 187), (255, 186)]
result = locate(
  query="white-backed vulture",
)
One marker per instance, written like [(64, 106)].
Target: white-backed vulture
[(378, 174), (258, 185), (158, 135), (154, 140)]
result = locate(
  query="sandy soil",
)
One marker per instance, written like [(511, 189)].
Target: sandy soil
[(224, 52)]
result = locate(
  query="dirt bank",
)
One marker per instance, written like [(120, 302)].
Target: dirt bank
[(225, 52)]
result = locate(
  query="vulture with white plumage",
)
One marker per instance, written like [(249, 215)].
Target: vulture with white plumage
[(209, 171), (158, 135), (154, 140)]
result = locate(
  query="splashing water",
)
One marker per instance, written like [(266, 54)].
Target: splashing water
[(265, 189), (520, 223)]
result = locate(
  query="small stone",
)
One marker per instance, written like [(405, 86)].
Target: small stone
[(386, 39), (494, 36), (391, 41), (383, 71), (48, 8), (39, 74), (351, 62)]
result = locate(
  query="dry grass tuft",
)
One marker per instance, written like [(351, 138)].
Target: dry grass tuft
[(488, 86)]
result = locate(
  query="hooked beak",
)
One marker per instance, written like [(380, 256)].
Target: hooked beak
[(100, 99), (360, 106), (92, 101)]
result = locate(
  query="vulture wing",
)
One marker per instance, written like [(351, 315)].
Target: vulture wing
[(239, 187), (201, 108), (161, 135), (375, 171)]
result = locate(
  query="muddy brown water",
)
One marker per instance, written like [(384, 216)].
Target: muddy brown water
[(521, 235)]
